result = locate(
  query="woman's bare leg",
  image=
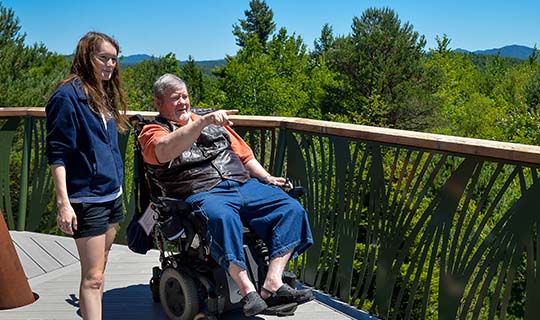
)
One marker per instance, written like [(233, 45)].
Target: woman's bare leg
[(93, 254)]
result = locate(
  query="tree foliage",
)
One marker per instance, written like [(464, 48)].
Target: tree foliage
[(27, 73), (275, 77), (139, 79), (377, 75), (258, 23), (326, 41), (381, 64), (193, 77)]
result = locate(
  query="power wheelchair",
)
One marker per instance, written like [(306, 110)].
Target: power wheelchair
[(189, 283)]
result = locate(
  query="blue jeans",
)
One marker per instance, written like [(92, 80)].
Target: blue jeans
[(279, 220)]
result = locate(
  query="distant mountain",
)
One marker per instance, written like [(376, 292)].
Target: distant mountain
[(205, 65), (134, 59), (513, 51)]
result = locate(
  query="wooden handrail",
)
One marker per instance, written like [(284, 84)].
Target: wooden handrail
[(451, 144)]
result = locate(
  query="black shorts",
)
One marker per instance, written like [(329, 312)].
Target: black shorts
[(94, 219)]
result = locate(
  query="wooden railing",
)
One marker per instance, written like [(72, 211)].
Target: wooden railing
[(407, 225)]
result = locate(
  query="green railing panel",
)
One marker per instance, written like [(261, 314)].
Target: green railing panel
[(25, 165), (264, 144), (410, 234), (41, 212), (7, 133), (40, 192), (403, 232)]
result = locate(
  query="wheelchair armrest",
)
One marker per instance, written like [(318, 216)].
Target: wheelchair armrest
[(293, 191), (296, 192), (171, 216)]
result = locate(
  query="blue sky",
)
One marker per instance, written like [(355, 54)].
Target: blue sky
[(203, 28)]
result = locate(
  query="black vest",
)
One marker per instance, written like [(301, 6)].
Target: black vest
[(206, 163)]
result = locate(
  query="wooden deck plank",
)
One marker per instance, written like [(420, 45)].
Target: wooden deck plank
[(64, 241), (31, 268), (38, 254), (126, 295), (58, 252)]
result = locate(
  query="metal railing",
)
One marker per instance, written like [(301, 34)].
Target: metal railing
[(406, 225)]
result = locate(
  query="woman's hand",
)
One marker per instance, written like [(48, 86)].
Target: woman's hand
[(66, 219)]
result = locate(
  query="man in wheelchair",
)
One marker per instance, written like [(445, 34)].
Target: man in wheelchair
[(201, 160)]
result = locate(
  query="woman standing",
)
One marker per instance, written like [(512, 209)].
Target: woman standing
[(83, 120)]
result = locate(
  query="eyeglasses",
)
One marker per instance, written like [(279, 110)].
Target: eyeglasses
[(105, 59)]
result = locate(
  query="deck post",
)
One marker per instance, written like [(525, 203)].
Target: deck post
[(14, 286)]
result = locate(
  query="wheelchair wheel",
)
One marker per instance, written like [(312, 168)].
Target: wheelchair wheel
[(154, 288), (178, 295)]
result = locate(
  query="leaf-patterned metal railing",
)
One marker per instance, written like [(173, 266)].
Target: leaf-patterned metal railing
[(406, 225), (8, 130), (411, 233), (41, 186)]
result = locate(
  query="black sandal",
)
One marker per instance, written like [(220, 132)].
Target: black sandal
[(285, 294), (253, 304)]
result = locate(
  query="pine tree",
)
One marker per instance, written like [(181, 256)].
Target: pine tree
[(533, 57), (384, 82), (192, 75), (325, 42), (273, 77), (258, 23)]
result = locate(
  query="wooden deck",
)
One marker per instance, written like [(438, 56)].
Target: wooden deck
[(51, 265)]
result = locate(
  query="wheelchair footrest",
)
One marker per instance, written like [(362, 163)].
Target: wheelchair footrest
[(282, 310)]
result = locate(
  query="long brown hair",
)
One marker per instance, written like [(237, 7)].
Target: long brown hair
[(103, 96)]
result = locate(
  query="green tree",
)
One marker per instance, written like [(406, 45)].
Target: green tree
[(533, 57), (381, 65), (193, 77), (139, 79), (443, 44), (459, 81), (518, 93), (281, 80), (28, 74), (532, 92), (258, 23), (325, 42), (388, 57)]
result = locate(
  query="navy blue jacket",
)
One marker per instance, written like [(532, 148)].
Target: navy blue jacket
[(78, 140)]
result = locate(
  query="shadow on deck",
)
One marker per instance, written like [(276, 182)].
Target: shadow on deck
[(51, 265)]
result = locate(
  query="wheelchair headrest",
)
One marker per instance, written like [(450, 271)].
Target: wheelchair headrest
[(137, 122), (136, 119)]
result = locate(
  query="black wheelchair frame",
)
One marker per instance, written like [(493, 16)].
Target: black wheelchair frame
[(189, 283)]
